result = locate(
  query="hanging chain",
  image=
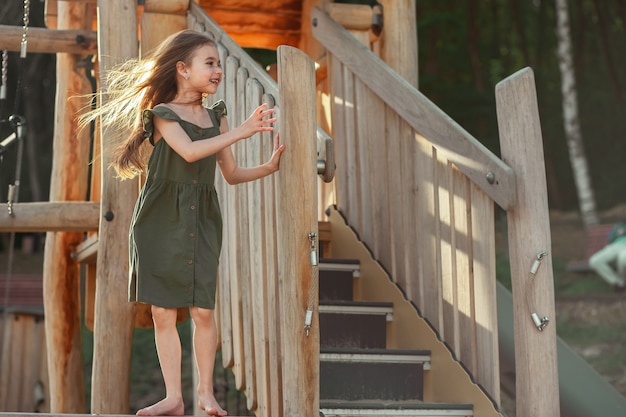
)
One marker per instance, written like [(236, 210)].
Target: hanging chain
[(5, 74), (540, 322), (18, 88), (308, 319), (14, 189), (25, 29)]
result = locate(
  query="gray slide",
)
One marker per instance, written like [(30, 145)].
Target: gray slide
[(584, 392)]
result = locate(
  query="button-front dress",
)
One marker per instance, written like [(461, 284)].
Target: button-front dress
[(176, 229)]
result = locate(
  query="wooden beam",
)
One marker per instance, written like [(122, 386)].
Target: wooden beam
[(529, 235), (68, 182), (399, 38), (80, 42), (69, 216), (307, 42), (177, 7), (114, 316), (87, 251), (259, 29), (298, 197), (351, 16)]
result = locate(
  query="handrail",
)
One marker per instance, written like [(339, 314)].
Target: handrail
[(226, 43), (486, 170), (419, 190), (414, 185), (266, 279)]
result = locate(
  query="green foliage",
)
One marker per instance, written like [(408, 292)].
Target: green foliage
[(467, 47)]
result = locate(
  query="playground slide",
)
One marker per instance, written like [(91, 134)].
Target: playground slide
[(583, 391)]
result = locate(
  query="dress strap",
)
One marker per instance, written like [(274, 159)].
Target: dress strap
[(219, 110), (147, 118)]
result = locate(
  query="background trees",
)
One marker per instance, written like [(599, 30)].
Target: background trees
[(465, 48)]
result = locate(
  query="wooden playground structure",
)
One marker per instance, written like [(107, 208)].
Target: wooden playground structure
[(418, 190)]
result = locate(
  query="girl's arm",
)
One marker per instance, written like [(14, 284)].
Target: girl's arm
[(192, 151), (234, 174)]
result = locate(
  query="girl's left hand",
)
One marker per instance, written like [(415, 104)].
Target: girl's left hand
[(274, 161)]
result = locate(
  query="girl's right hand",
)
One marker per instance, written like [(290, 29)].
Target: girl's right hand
[(257, 122)]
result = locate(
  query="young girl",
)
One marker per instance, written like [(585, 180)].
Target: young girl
[(176, 231)]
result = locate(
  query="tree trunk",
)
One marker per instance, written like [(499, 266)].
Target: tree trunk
[(571, 121)]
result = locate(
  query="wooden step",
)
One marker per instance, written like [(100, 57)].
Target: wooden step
[(339, 264), (373, 374), (356, 324), (394, 409), (336, 278)]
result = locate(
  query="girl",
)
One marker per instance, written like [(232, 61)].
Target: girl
[(176, 231)]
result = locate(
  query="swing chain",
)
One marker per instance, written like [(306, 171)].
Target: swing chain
[(25, 29), (5, 71)]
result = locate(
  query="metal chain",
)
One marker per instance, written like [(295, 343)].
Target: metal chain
[(5, 72), (9, 274), (25, 28), (308, 318), (18, 88)]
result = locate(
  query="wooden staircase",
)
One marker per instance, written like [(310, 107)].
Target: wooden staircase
[(360, 375)]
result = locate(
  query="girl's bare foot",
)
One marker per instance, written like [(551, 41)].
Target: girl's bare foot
[(209, 405), (165, 407)]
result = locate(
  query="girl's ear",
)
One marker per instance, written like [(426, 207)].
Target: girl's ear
[(181, 68)]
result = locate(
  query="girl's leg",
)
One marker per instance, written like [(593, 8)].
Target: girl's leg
[(205, 345), (169, 351)]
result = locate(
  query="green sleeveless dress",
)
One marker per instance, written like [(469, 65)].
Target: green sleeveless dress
[(176, 229)]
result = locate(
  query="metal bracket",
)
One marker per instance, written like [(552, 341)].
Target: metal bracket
[(325, 156)]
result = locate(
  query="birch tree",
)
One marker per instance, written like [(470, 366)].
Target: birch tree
[(573, 136)]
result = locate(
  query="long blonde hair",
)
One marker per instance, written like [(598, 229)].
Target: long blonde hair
[(139, 84)]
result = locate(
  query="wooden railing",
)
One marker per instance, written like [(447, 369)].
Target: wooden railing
[(424, 219), (420, 192), (267, 282)]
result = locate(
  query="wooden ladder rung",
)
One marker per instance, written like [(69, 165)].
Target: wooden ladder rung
[(86, 252)]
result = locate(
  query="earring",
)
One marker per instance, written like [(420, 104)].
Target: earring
[(186, 76)]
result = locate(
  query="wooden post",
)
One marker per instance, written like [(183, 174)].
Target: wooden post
[(399, 38), (114, 315), (296, 218), (537, 385), (308, 43), (161, 18), (61, 274)]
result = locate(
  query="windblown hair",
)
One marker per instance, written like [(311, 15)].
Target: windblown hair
[(139, 84)]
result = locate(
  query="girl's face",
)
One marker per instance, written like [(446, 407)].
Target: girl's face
[(205, 71)]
